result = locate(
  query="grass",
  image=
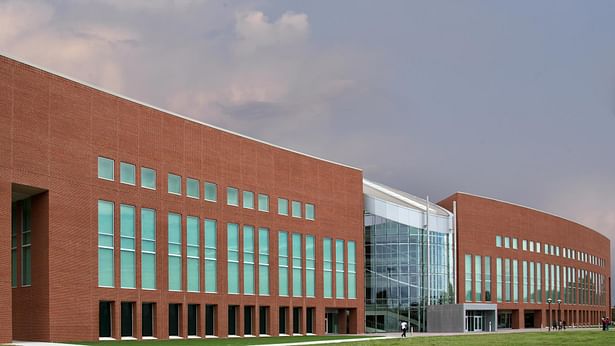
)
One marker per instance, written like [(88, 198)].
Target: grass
[(586, 337), (225, 341)]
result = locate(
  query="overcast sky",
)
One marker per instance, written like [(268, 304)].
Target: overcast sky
[(508, 99)]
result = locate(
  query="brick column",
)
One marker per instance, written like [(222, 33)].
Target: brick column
[(6, 314)]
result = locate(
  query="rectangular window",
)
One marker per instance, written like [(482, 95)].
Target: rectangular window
[(506, 242), (352, 270), (507, 279), (524, 245), (283, 263), (26, 244), (263, 261), (282, 206), (127, 173), (210, 256), (515, 280), (557, 251), (175, 252), (339, 268), (148, 178), (498, 277), (248, 199), (193, 319), (14, 248), (531, 246), (297, 282), (105, 168), (105, 244), (210, 319), (310, 266), (193, 188), (538, 247), (104, 319), (232, 196), (296, 208), (478, 278), (547, 287), (174, 316), (126, 319), (487, 278), (233, 258), (514, 243), (538, 283), (248, 260), (127, 246), (498, 241), (211, 192), (148, 248), (147, 319), (174, 184), (525, 291), (327, 268), (532, 283), (468, 277), (263, 202), (309, 211), (192, 253), (263, 320)]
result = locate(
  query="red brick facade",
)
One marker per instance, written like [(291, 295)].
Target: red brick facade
[(480, 220), (52, 130)]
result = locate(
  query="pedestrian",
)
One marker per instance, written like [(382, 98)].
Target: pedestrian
[(603, 323), (404, 328), (564, 324), (608, 324)]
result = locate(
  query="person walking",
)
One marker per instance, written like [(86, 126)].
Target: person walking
[(404, 328)]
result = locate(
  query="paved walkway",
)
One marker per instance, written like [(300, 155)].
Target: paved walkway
[(328, 342)]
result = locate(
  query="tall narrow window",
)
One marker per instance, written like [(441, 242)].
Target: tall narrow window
[(193, 188), (339, 268), (515, 243), (14, 249), (26, 244), (498, 241), (310, 266), (487, 278), (352, 270), (248, 260), (327, 268), (248, 199), (283, 263), (233, 258), (263, 261), (524, 245), (105, 168), (538, 282), (127, 247), (127, 173), (282, 206), (309, 211), (296, 208), (525, 291), (515, 280), (175, 252), (148, 248), (174, 184), (498, 278), (232, 196), (507, 279), (148, 178), (105, 244), (297, 282), (547, 287), (478, 278), (192, 253), (263, 202), (211, 192), (210, 256), (468, 277)]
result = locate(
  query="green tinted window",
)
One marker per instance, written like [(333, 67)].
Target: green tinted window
[(105, 244), (127, 246), (174, 184), (210, 256), (263, 261), (127, 173), (148, 178), (263, 202), (283, 263), (233, 258), (148, 248), (193, 188), (211, 192), (192, 253), (309, 211), (105, 168), (175, 252), (232, 196), (282, 206)]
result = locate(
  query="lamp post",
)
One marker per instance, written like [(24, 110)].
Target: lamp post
[(549, 300), (559, 312)]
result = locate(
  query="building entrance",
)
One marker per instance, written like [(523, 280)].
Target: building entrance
[(474, 321)]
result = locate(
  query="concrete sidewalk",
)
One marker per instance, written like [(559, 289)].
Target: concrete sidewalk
[(328, 342)]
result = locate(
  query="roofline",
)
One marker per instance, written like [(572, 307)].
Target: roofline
[(385, 189), (170, 112), (526, 207)]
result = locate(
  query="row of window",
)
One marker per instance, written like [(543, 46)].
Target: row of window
[(254, 243), (549, 249), (199, 324), (298, 209), (571, 285)]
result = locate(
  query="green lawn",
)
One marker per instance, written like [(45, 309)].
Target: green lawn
[(586, 337), (223, 342)]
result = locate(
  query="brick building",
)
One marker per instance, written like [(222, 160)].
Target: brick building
[(520, 259), (129, 221)]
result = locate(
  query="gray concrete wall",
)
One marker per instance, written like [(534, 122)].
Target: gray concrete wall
[(445, 318)]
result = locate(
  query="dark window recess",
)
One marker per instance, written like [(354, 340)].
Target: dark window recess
[(282, 320), (147, 319), (193, 313), (210, 319), (247, 319), (232, 320), (296, 320), (173, 319), (309, 320), (263, 318), (126, 319), (104, 319)]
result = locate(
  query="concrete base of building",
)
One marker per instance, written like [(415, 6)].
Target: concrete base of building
[(449, 318)]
